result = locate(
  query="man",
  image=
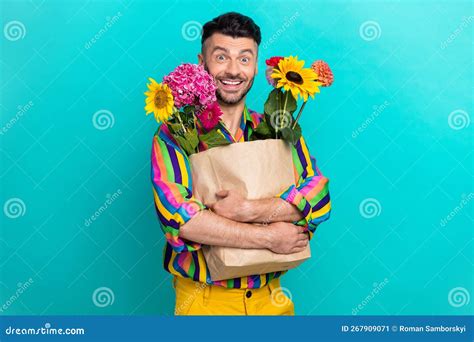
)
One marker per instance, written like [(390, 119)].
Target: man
[(229, 53)]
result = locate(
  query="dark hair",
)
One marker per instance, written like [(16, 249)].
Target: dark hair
[(232, 24)]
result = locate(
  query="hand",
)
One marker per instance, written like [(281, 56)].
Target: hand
[(232, 205), (287, 238)]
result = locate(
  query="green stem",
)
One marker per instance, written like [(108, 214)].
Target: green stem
[(181, 122), (299, 114), (284, 110)]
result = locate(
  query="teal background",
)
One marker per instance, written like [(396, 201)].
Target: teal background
[(414, 157)]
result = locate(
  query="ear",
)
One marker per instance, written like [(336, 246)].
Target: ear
[(200, 59)]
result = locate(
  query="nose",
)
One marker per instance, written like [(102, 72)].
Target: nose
[(233, 69)]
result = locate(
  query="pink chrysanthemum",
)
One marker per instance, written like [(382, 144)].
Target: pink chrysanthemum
[(268, 72), (191, 85), (210, 115), (325, 75)]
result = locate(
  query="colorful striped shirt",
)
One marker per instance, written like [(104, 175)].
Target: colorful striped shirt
[(175, 204)]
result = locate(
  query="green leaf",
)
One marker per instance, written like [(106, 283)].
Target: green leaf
[(276, 101), (213, 139), (290, 103), (188, 141), (291, 135), (271, 104), (184, 144), (188, 110), (192, 136), (176, 128), (264, 129)]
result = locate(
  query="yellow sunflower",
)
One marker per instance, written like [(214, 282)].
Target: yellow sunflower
[(293, 77), (159, 101)]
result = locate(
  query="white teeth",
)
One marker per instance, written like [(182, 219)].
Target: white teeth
[(231, 82)]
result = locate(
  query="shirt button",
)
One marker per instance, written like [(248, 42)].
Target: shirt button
[(248, 294)]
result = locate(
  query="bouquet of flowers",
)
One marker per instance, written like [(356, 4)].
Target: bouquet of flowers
[(186, 102), (290, 81)]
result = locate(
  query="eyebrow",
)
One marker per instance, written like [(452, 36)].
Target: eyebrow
[(227, 50)]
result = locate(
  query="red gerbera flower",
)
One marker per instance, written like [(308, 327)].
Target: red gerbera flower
[(273, 61), (210, 115)]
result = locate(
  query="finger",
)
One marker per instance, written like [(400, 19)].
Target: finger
[(304, 238), (301, 243), (297, 249), (222, 193)]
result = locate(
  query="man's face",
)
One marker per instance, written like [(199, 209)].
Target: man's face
[(233, 63)]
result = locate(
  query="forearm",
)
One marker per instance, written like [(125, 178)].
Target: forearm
[(270, 210), (211, 229)]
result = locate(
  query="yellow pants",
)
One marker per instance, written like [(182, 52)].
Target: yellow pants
[(195, 298)]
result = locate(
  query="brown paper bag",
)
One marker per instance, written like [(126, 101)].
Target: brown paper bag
[(257, 169)]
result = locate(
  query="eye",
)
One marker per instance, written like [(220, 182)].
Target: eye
[(245, 60), (220, 58)]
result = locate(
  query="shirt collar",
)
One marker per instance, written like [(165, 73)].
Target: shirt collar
[(248, 118)]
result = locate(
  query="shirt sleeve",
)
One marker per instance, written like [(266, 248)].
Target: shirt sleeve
[(172, 184), (310, 194)]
